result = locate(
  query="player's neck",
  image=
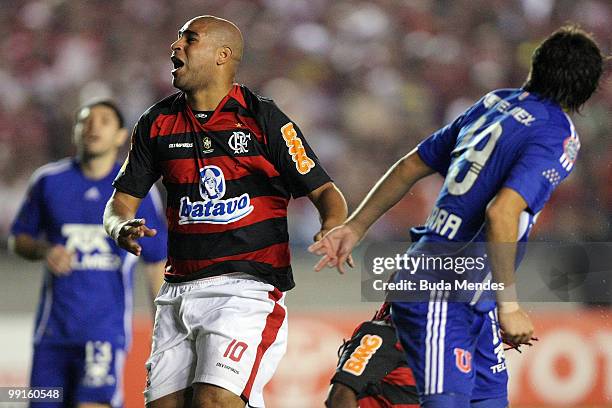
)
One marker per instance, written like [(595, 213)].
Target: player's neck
[(97, 167), (207, 99)]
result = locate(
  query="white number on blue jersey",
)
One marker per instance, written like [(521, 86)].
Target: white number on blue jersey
[(476, 158)]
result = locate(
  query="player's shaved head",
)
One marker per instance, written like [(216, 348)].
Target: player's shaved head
[(206, 56), (224, 33)]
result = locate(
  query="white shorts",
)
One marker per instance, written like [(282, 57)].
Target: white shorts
[(229, 331)]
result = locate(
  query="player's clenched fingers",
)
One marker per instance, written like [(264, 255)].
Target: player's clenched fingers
[(55, 268), (325, 247), (130, 245), (59, 260), (133, 248), (148, 232), (321, 250), (137, 222), (132, 228), (313, 248), (324, 261)]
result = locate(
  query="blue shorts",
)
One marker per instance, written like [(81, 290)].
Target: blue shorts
[(453, 350), (91, 372)]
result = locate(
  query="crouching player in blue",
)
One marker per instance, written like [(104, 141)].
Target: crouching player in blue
[(83, 324), (501, 160)]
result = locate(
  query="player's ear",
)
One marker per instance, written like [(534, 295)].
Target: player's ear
[(224, 55)]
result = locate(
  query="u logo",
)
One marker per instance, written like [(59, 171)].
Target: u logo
[(463, 360)]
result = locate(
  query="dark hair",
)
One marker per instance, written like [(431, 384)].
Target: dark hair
[(566, 67), (104, 102)]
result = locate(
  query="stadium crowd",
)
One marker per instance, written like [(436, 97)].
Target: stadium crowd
[(365, 80)]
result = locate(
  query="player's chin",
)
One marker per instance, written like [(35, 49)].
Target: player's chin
[(178, 82), (93, 152)]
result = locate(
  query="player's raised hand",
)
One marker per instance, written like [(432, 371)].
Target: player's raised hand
[(335, 248), (516, 325), (59, 260), (319, 236), (129, 233)]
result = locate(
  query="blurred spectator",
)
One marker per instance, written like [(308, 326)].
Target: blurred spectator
[(365, 79)]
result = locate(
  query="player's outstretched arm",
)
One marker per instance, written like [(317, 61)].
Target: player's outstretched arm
[(337, 245), (120, 224), (331, 205), (502, 223), (57, 258)]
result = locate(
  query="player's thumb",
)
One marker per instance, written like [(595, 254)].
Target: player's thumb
[(149, 232), (137, 222)]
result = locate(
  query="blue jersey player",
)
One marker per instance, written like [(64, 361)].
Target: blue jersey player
[(83, 324), (501, 160)]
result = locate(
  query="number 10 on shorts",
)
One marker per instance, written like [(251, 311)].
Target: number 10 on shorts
[(235, 350)]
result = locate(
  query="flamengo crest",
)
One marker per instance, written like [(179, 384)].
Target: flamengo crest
[(239, 142)]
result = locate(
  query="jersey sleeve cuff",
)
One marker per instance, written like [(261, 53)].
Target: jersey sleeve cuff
[(427, 161), (127, 190), (311, 187), (528, 200)]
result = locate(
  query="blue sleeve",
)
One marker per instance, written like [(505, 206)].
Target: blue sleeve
[(154, 249), (436, 150), (29, 218), (546, 161)]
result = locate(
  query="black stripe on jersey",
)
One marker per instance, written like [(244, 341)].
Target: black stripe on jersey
[(219, 146), (257, 185), (399, 394), (234, 242), (281, 278)]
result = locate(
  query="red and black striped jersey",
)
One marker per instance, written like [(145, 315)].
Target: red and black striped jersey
[(228, 181)]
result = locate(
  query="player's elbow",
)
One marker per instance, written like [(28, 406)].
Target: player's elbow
[(507, 206), (501, 216), (500, 210), (496, 212)]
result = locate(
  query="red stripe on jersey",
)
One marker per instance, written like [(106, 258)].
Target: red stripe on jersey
[(400, 376), (264, 208), (184, 171), (166, 125), (274, 321), (276, 255)]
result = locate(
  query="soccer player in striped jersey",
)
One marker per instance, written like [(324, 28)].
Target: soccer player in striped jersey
[(83, 324), (501, 159), (230, 160)]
